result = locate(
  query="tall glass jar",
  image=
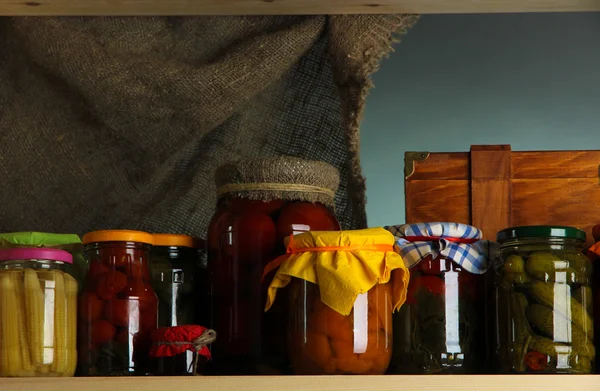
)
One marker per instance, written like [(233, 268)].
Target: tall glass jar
[(38, 313), (441, 327), (543, 302), (118, 306), (254, 215), (173, 268), (323, 342)]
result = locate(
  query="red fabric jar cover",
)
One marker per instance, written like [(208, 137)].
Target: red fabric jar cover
[(171, 341)]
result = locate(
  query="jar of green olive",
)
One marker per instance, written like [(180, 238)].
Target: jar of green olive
[(543, 302)]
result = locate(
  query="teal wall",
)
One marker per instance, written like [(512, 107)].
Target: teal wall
[(529, 80)]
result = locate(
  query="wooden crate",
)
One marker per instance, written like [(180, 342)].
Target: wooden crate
[(492, 188)]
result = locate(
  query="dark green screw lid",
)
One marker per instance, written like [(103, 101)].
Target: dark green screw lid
[(541, 231)]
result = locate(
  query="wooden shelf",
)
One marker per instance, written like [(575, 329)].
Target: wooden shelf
[(270, 7), (310, 383)]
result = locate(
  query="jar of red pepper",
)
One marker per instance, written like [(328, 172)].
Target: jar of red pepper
[(118, 307), (441, 328), (261, 202)]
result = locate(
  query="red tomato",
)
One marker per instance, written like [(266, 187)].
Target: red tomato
[(90, 307), (252, 236), (97, 269), (297, 217), (110, 284), (241, 205), (141, 291), (120, 312), (102, 332), (122, 337)]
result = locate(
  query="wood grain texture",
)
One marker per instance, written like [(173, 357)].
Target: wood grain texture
[(556, 164), (490, 189), (560, 201), (437, 200), (310, 383), (271, 7), (448, 166)]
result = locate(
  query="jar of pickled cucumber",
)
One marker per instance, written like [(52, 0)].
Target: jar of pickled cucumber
[(543, 302), (117, 307), (38, 313)]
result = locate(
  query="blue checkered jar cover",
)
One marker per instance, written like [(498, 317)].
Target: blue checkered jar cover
[(460, 243)]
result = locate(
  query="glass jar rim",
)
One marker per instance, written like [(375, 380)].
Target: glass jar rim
[(540, 232)]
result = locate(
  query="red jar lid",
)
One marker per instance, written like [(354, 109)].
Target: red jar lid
[(48, 254)]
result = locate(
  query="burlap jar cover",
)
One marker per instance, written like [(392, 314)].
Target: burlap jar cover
[(279, 178)]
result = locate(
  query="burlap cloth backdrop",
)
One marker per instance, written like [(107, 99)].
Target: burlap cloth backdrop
[(121, 122)]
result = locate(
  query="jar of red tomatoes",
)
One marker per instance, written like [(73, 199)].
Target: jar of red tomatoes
[(118, 307), (261, 202), (441, 328)]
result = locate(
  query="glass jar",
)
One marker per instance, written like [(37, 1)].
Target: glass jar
[(244, 236), (323, 342), (543, 302), (38, 313), (173, 268), (118, 306), (440, 328)]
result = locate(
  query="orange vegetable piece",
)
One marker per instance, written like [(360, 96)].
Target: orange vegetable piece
[(342, 349), (110, 284), (353, 365), (536, 361), (318, 349)]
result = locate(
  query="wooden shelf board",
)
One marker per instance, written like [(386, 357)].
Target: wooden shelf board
[(270, 7), (311, 383)]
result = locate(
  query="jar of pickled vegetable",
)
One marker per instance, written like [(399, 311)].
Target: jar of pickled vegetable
[(441, 328), (173, 268), (543, 299), (38, 313), (261, 202), (340, 318), (118, 306)]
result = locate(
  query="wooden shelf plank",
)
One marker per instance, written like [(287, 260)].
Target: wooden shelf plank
[(311, 383), (270, 7)]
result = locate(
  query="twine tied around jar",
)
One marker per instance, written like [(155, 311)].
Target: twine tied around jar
[(171, 341), (278, 178)]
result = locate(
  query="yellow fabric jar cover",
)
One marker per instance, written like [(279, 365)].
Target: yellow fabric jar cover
[(344, 264)]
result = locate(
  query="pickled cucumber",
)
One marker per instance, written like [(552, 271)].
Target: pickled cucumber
[(514, 270), (546, 294), (560, 329), (580, 264), (583, 295), (522, 330), (544, 265)]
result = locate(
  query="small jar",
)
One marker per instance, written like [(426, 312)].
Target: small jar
[(441, 327), (255, 212), (173, 267), (324, 342), (118, 306), (543, 302), (38, 313)]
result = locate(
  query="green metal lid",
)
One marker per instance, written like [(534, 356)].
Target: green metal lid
[(541, 231)]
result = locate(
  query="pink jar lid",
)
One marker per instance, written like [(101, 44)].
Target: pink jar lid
[(48, 254)]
